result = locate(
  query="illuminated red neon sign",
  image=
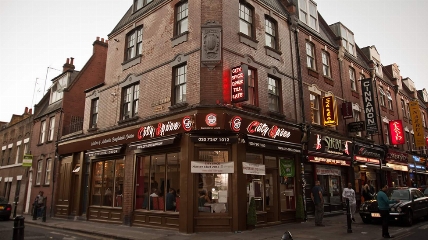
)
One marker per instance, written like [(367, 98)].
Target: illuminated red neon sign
[(396, 130), (239, 82)]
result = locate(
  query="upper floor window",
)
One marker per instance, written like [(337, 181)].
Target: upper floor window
[(274, 94), (408, 141), (48, 171), (356, 114), (403, 108), (348, 40), (130, 101), (26, 148), (94, 113), (315, 108), (42, 131), (252, 87), (310, 55), (270, 33), (51, 128), (39, 172), (18, 148), (2, 156), (382, 96), (378, 68), (413, 142), (246, 19), (389, 97), (180, 80), (352, 79), (134, 43), (325, 63), (57, 89), (423, 120), (182, 22), (408, 112), (386, 129), (140, 3), (308, 13)]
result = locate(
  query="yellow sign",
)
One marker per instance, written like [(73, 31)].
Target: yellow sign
[(329, 111), (418, 128)]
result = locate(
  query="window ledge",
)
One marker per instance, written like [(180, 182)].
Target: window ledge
[(391, 112), (355, 94), (247, 40), (384, 108), (40, 144), (128, 120), (50, 141), (93, 129), (328, 80), (131, 62), (273, 53), (179, 39), (313, 72), (250, 107), (276, 114), (178, 106)]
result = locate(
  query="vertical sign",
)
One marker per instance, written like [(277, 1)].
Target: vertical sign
[(239, 82), (396, 130), (415, 114), (286, 167), (27, 161), (369, 105), (328, 110), (347, 110)]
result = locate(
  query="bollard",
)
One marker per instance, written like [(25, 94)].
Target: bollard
[(35, 209), (286, 236), (348, 216), (18, 228), (16, 204)]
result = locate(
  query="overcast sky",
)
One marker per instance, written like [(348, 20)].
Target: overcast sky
[(37, 36)]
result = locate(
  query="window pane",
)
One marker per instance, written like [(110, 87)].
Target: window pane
[(157, 173), (48, 171), (109, 183), (119, 172), (97, 183), (213, 193), (172, 201), (142, 189)]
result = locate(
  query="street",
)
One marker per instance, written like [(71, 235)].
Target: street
[(40, 232)]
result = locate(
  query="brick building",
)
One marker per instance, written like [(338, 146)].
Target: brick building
[(15, 137)]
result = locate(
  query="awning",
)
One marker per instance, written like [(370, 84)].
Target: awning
[(262, 142), (157, 142), (105, 151)]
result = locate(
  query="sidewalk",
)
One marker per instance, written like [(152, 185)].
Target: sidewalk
[(335, 228)]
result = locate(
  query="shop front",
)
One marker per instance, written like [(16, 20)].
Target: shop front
[(398, 161), (418, 171), (368, 167), (329, 161)]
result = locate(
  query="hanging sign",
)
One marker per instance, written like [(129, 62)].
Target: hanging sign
[(239, 83), (253, 168), (369, 105), (286, 167), (27, 161), (326, 170), (329, 111), (211, 167), (356, 126), (418, 128), (397, 133), (347, 110)]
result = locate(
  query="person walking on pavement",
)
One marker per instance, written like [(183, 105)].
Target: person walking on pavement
[(349, 193), (316, 195), (383, 205)]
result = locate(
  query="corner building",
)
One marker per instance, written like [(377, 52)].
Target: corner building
[(170, 115)]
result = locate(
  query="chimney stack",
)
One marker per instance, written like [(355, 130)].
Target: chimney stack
[(26, 110), (30, 111), (68, 65)]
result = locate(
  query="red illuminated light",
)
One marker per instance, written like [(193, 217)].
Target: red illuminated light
[(396, 130)]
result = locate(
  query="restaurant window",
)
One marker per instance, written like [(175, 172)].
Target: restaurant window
[(315, 108), (274, 94), (134, 43), (252, 87), (352, 79), (255, 186), (94, 113), (42, 131), (180, 84), (48, 171), (107, 183), (182, 19), (51, 130), (212, 195), (382, 96), (270, 33), (246, 19), (158, 182), (130, 99), (39, 172), (388, 96), (310, 56), (325, 64)]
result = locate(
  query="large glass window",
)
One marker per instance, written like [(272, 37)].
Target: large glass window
[(158, 182), (213, 188), (182, 18), (107, 183)]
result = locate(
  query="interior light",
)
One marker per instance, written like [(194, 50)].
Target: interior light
[(363, 166)]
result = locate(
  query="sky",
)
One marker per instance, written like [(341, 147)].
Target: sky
[(38, 36)]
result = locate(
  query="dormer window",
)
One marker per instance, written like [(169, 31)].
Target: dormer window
[(140, 3), (58, 87), (308, 13), (348, 40)]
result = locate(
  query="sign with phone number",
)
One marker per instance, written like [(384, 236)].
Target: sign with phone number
[(201, 139)]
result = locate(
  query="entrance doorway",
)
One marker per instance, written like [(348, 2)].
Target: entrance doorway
[(271, 195)]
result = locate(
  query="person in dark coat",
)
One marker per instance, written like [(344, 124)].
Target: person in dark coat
[(170, 200), (366, 193)]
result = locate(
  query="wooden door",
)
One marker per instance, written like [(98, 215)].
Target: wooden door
[(64, 188)]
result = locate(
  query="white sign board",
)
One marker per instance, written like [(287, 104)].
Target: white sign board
[(211, 167), (253, 168)]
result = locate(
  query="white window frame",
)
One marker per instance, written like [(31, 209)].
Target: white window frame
[(387, 142), (42, 136), (182, 18), (382, 97), (310, 56), (274, 94), (389, 97), (357, 113), (18, 148), (315, 108), (403, 108), (246, 24), (325, 63), (308, 14), (352, 79), (180, 83), (39, 172), (348, 41), (48, 171), (51, 130), (130, 98)]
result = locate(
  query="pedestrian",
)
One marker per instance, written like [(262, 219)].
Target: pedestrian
[(383, 205), (371, 189), (316, 196), (366, 193), (349, 193), (40, 204)]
